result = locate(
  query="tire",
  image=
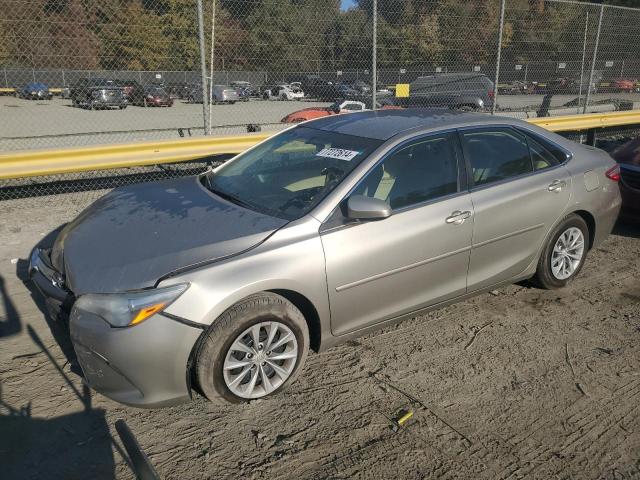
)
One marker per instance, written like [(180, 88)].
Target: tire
[(545, 276), (215, 348)]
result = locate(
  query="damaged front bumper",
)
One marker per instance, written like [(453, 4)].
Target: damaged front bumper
[(145, 365)]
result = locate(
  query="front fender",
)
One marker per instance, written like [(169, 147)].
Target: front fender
[(291, 259)]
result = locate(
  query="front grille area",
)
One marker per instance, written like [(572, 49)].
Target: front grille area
[(631, 178)]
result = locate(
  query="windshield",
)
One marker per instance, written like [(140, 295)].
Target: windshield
[(292, 172)]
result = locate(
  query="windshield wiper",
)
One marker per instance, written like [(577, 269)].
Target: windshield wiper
[(227, 196)]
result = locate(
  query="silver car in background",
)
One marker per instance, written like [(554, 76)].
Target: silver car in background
[(219, 94), (322, 233)]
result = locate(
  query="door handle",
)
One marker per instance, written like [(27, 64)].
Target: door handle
[(457, 217), (556, 186)]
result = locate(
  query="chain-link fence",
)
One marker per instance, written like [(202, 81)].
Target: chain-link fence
[(80, 72)]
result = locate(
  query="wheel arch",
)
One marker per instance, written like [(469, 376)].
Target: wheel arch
[(309, 312), (591, 224)]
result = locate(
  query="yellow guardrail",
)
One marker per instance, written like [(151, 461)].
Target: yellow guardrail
[(571, 123), (105, 157)]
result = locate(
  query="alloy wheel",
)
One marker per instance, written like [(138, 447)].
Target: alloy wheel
[(260, 360), (567, 253)]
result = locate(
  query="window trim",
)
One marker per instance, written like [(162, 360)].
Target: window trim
[(523, 132)]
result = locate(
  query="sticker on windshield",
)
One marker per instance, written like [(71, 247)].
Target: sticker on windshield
[(338, 153)]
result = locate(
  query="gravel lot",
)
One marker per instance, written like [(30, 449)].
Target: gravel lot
[(27, 124), (519, 383)]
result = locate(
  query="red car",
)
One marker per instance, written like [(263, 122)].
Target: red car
[(628, 157), (623, 85), (310, 113), (345, 106)]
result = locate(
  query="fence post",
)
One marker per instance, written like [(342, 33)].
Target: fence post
[(213, 46), (593, 60), (584, 52), (203, 70), (374, 54), (6, 80), (497, 78)]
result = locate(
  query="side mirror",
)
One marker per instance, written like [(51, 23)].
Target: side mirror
[(361, 207)]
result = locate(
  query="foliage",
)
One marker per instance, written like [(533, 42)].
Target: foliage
[(293, 35)]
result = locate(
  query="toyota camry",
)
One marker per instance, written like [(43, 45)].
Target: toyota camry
[(224, 281)]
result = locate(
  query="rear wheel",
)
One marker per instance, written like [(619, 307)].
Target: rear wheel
[(254, 349), (564, 254)]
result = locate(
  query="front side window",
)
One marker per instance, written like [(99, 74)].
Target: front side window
[(289, 174), (422, 171), (496, 154)]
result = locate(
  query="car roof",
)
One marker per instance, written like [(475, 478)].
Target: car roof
[(384, 124)]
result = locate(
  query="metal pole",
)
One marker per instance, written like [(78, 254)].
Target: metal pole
[(374, 55), (584, 52), (213, 46), (593, 60), (497, 79), (203, 70), (622, 69), (526, 70)]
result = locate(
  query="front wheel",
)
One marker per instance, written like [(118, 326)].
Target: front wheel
[(564, 254), (254, 349)]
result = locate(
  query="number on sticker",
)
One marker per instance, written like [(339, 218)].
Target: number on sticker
[(338, 153)]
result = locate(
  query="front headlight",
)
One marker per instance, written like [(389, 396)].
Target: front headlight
[(130, 308)]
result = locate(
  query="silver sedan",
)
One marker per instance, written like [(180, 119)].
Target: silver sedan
[(322, 233)]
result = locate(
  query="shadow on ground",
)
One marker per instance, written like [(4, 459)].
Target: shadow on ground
[(627, 229), (74, 446), (77, 445)]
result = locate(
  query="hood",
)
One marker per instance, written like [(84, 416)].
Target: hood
[(134, 235)]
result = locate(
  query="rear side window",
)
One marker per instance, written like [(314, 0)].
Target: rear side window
[(496, 154), (541, 157)]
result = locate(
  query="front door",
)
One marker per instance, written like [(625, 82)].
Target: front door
[(377, 270)]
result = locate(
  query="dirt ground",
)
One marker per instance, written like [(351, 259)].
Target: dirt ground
[(518, 383)]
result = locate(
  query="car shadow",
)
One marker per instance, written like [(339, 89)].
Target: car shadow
[(9, 322), (76, 445), (626, 229)]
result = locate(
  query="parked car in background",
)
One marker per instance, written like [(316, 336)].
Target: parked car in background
[(180, 90), (347, 92), (516, 87), (346, 106), (317, 87), (361, 86), (624, 85), (35, 91), (245, 89), (283, 91), (130, 88), (320, 234), (219, 93), (80, 92), (462, 91), (558, 85), (99, 98), (628, 158), (151, 96)]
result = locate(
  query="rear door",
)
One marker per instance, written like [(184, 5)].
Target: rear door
[(418, 256), (519, 190)]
